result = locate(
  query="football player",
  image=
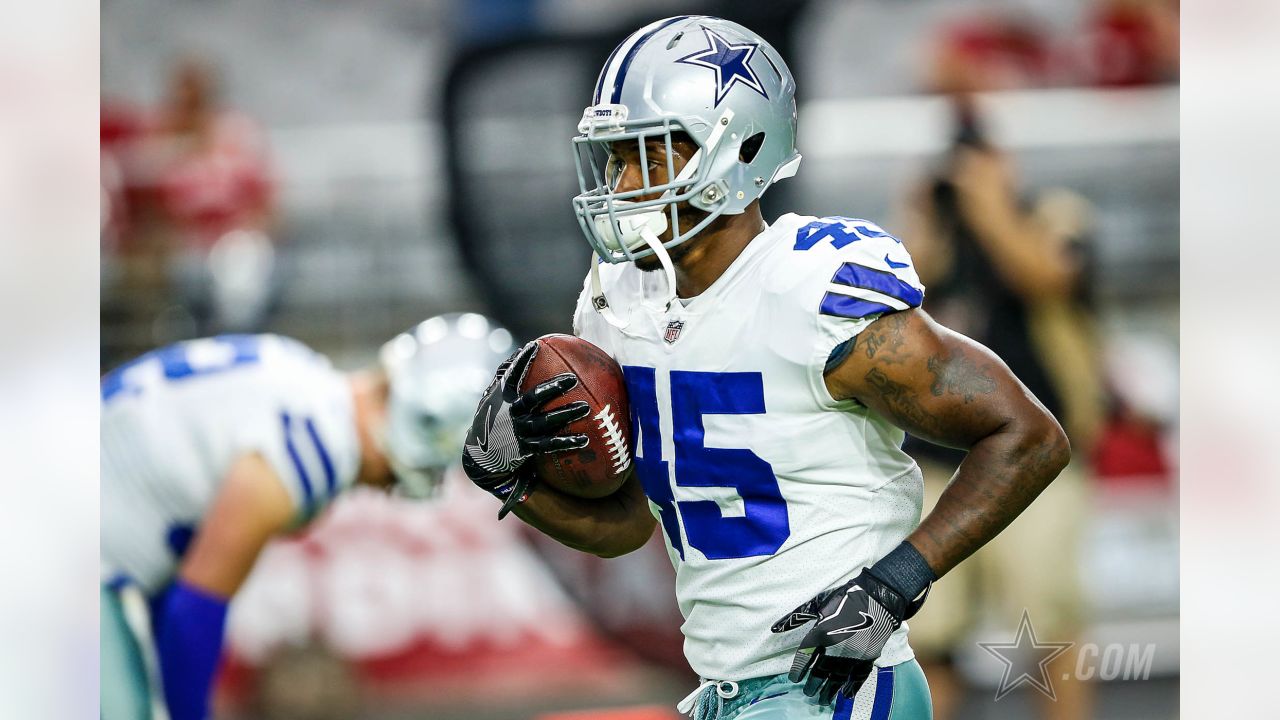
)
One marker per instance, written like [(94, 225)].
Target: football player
[(212, 447), (772, 370)]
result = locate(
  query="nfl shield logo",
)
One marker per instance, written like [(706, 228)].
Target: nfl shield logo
[(673, 331)]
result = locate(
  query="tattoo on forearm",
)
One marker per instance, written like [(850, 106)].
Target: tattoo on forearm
[(995, 483), (959, 375), (951, 391)]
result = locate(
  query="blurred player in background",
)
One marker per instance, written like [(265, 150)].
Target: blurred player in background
[(215, 203), (1015, 276), (190, 214), (771, 371), (212, 447)]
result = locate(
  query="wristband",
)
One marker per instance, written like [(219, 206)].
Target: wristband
[(905, 571), (189, 643)]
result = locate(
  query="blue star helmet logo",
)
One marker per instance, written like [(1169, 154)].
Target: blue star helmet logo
[(731, 63)]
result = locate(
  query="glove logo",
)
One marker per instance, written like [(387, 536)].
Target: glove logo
[(863, 623), (481, 444), (838, 653), (866, 622)]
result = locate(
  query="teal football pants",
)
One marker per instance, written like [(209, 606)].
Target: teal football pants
[(126, 691), (891, 693)]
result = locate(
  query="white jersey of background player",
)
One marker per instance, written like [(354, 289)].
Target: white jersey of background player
[(210, 447), (771, 372)]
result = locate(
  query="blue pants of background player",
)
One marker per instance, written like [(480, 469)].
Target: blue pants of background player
[(891, 693)]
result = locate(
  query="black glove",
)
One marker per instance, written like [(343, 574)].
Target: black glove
[(854, 621), (506, 431)]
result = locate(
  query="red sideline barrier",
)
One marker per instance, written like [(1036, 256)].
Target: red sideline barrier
[(424, 600)]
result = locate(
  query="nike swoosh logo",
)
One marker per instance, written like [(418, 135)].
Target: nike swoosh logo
[(893, 264), (866, 622), (482, 436)]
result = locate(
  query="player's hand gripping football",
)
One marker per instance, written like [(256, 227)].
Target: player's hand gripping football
[(854, 621), (508, 429)]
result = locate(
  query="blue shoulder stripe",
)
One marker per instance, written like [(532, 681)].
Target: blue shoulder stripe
[(330, 478), (846, 306), (861, 276), (308, 494)]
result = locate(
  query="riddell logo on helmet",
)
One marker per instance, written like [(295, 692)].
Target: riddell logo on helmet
[(599, 117)]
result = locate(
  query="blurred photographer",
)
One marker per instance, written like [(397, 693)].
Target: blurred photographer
[(1015, 276)]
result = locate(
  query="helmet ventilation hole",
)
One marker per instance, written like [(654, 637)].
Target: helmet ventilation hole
[(750, 147)]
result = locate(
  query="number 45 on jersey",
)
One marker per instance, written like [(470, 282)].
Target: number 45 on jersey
[(763, 527)]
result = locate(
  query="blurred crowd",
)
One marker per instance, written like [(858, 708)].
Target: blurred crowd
[(1117, 43), (1014, 267), (188, 210)]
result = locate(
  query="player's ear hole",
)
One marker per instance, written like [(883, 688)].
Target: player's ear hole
[(750, 147)]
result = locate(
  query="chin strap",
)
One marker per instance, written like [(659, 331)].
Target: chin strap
[(663, 302), (660, 304)]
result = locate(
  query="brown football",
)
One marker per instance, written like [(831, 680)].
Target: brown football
[(599, 468)]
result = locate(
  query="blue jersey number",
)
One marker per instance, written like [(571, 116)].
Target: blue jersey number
[(840, 231), (177, 362), (763, 526)]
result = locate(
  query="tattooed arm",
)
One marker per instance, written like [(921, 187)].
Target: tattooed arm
[(941, 386)]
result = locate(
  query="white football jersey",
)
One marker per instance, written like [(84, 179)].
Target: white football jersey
[(174, 421), (767, 490)]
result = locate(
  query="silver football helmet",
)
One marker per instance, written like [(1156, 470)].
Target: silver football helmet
[(437, 372), (716, 81)]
